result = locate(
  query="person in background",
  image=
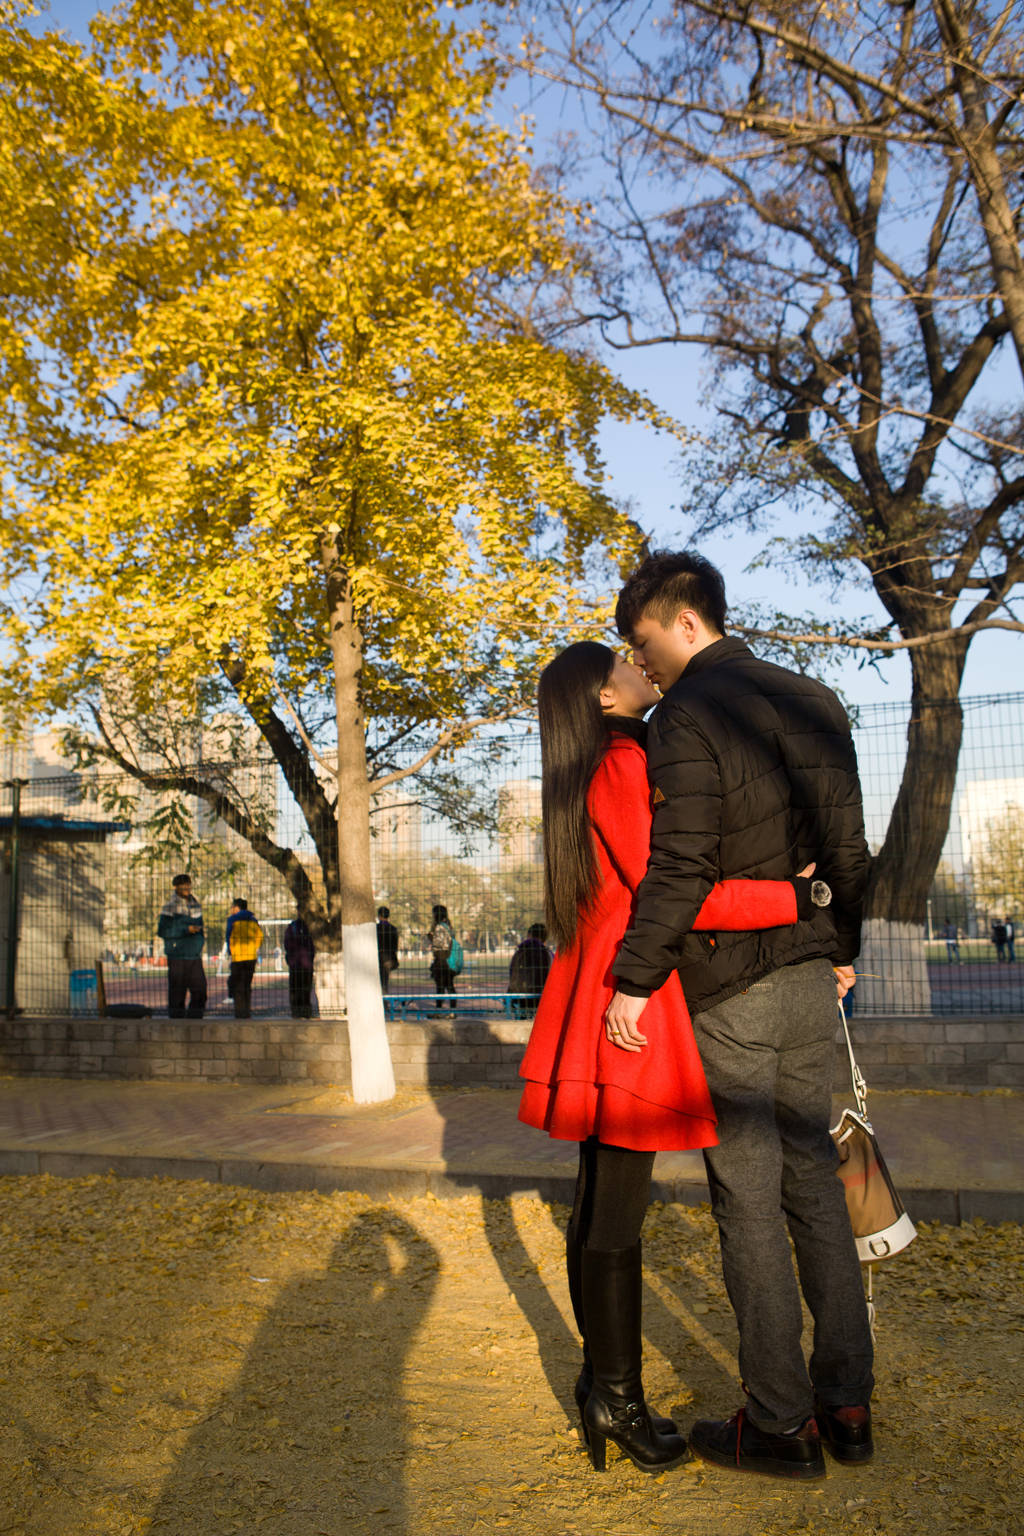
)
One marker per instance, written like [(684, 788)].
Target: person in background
[(180, 925), (299, 953), (244, 937), (528, 971), (441, 938), (999, 939), (387, 946), (951, 935), (1008, 925)]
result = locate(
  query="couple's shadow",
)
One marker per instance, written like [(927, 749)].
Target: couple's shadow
[(699, 1358), (313, 1434)]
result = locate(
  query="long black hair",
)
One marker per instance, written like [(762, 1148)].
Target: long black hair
[(573, 734)]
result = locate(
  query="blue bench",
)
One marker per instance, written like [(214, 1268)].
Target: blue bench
[(423, 1005)]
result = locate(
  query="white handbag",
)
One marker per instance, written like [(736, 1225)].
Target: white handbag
[(881, 1226)]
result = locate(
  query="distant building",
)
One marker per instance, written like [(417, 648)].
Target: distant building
[(992, 823), (228, 747), (519, 822), (981, 802), (51, 784), (396, 825)]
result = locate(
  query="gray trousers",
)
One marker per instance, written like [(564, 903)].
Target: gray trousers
[(768, 1055)]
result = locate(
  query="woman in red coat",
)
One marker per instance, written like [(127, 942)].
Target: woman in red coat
[(621, 1106)]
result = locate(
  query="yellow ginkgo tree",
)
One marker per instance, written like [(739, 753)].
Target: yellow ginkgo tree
[(283, 420)]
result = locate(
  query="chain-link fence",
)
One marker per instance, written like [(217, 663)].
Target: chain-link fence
[(87, 858), (967, 938)]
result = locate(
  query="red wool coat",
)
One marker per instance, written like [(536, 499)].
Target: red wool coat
[(577, 1083)]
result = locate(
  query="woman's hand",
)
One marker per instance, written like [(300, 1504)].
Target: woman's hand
[(807, 872), (621, 1019)]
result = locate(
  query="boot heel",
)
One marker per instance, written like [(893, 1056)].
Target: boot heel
[(581, 1392), (615, 1409)]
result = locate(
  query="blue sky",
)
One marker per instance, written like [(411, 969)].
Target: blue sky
[(641, 466)]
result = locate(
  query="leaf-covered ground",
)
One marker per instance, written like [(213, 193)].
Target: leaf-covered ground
[(195, 1360)]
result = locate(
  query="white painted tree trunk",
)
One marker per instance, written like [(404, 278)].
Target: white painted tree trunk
[(373, 1077), (892, 970), (330, 983)]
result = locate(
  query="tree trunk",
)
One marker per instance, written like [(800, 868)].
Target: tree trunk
[(330, 982), (978, 143), (373, 1077), (892, 971)]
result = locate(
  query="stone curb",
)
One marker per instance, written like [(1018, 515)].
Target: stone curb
[(949, 1206)]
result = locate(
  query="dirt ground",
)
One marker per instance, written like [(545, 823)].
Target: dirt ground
[(194, 1360)]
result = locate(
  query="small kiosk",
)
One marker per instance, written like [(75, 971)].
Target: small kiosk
[(52, 897)]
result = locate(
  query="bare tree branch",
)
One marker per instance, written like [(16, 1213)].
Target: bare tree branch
[(860, 643)]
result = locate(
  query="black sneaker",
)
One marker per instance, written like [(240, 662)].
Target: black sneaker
[(846, 1432), (736, 1442)]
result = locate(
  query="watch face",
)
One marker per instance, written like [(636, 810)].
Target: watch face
[(821, 895)]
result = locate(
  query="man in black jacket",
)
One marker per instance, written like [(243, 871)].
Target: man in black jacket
[(387, 946), (754, 774)]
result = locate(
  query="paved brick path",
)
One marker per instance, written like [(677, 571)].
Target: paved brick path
[(953, 1156)]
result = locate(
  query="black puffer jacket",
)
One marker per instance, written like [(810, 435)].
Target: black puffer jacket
[(754, 774)]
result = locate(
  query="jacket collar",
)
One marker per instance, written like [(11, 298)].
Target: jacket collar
[(726, 649), (627, 725)]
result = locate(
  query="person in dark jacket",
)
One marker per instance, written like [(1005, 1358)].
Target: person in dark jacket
[(387, 946), (180, 925), (299, 953), (528, 970), (753, 773)]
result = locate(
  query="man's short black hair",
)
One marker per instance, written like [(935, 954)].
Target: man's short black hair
[(384, 912), (666, 583), (240, 901), (181, 880)]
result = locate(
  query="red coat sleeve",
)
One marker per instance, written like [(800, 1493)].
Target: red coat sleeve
[(619, 805), (742, 904)]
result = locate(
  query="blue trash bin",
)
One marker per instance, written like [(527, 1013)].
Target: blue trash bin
[(83, 992)]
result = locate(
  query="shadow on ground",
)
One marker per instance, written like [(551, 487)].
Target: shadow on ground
[(696, 1341), (284, 1451)]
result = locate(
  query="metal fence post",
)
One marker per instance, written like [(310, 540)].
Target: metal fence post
[(12, 905)]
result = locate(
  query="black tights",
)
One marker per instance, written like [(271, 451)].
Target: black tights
[(444, 981), (613, 1190)]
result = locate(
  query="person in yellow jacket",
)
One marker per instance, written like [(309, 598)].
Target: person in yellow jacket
[(244, 936)]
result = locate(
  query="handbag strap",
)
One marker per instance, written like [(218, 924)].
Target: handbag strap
[(860, 1087), (860, 1093)]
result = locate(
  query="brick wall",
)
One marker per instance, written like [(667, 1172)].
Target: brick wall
[(459, 1050), (938, 1053), (256, 1050), (892, 1053), (228, 1050)]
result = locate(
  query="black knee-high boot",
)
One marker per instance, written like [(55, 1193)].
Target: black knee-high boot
[(612, 1291), (585, 1379)]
